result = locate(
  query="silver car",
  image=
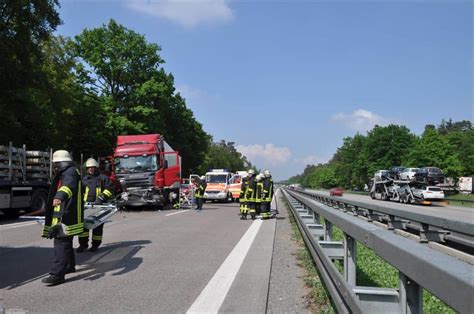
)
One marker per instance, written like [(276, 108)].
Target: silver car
[(409, 174)]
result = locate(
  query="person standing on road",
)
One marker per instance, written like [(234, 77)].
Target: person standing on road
[(250, 193), (259, 193), (64, 216), (267, 194), (199, 188), (242, 199), (97, 189)]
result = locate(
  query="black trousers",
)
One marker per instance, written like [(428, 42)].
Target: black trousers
[(64, 257), (97, 233), (265, 207), (199, 202)]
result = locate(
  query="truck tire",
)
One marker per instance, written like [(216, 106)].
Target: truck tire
[(38, 200)]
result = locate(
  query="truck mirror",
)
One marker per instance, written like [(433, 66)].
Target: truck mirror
[(107, 167), (165, 164)]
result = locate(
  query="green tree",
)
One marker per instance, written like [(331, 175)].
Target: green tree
[(386, 147), (434, 150), (24, 26), (322, 176), (223, 155), (124, 71)]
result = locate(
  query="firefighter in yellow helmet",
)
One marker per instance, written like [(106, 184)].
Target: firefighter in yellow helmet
[(64, 216), (98, 190), (242, 199), (199, 188), (251, 193), (259, 193), (267, 194)]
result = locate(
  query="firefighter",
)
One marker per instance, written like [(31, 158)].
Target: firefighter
[(258, 193), (199, 188), (242, 200), (250, 193), (64, 216), (97, 189), (267, 194)]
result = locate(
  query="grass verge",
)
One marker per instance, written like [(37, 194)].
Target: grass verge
[(373, 271), (457, 200), (320, 301)]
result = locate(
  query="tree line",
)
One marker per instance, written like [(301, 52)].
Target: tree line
[(80, 93), (448, 146)]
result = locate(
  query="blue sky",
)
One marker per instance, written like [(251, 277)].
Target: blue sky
[(288, 80)]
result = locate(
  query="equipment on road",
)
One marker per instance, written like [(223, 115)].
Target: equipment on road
[(24, 179), (148, 169), (95, 215)]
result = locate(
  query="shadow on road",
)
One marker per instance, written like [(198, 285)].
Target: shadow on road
[(116, 258), (23, 265)]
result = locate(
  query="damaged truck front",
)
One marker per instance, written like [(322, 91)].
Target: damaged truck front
[(148, 169)]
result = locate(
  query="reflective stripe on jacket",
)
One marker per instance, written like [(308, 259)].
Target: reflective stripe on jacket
[(66, 186)]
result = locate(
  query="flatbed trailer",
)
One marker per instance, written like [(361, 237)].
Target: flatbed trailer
[(24, 179)]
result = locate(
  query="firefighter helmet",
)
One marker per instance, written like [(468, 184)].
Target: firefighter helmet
[(91, 162), (251, 172), (267, 173), (203, 178), (61, 155)]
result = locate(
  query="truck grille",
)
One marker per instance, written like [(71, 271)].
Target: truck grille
[(136, 181)]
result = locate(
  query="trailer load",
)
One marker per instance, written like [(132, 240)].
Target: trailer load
[(24, 179)]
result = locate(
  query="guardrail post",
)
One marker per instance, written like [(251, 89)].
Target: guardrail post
[(316, 218), (350, 260), (327, 230), (411, 296)]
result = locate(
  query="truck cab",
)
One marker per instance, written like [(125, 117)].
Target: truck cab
[(218, 187), (148, 170)]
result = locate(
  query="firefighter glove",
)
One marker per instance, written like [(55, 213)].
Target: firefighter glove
[(53, 232)]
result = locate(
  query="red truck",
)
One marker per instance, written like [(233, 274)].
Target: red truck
[(148, 170)]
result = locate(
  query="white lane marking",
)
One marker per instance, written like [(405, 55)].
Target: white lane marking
[(18, 225), (213, 295), (181, 211)]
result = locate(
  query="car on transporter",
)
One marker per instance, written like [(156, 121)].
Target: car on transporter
[(409, 174), (432, 175)]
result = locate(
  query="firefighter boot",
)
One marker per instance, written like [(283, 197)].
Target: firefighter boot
[(53, 280), (81, 248)]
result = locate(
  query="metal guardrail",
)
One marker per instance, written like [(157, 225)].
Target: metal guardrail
[(370, 210), (419, 266)]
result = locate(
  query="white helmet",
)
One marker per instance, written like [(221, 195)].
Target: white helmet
[(259, 177), (61, 155), (91, 162), (203, 178), (251, 172), (267, 173)]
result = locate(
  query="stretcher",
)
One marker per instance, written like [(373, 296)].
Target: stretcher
[(95, 215)]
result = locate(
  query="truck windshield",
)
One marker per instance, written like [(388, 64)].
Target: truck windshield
[(135, 164), (217, 178)]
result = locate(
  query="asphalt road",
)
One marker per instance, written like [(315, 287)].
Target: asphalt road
[(170, 261)]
